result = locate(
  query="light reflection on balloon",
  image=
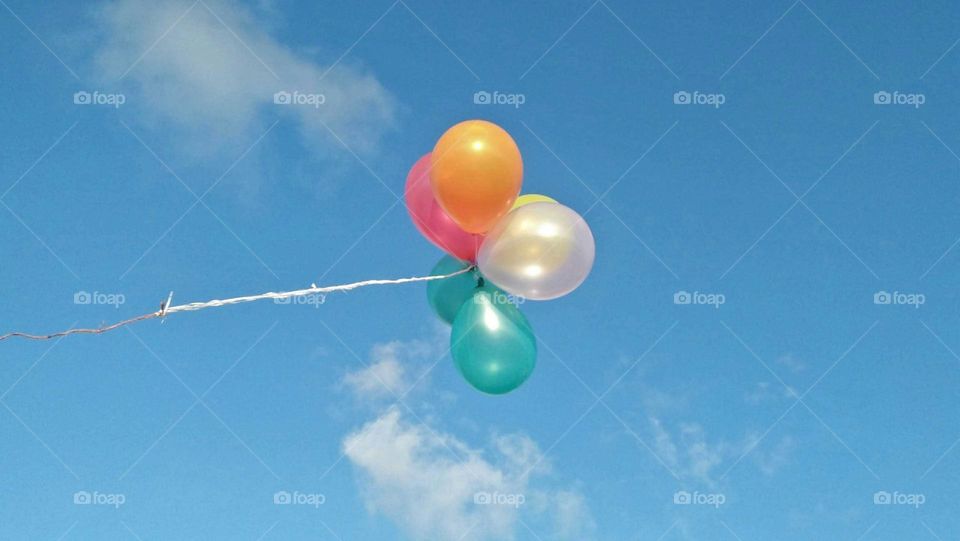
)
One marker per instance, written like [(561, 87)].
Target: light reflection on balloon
[(491, 343), (490, 318), (476, 174), (539, 251)]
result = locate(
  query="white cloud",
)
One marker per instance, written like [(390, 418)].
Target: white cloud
[(688, 453), (210, 72), (383, 378), (389, 373), (426, 482), (702, 456), (432, 485)]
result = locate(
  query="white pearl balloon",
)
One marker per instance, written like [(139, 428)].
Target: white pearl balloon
[(539, 251)]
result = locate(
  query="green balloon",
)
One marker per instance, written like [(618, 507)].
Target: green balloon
[(447, 296), (492, 343)]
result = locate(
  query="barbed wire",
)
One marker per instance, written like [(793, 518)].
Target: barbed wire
[(166, 309)]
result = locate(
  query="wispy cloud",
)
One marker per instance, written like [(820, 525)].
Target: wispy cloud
[(696, 457), (392, 369), (686, 448), (769, 391), (791, 363), (208, 71), (688, 452), (771, 460)]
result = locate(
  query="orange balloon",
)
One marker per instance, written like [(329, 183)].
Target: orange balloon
[(476, 174)]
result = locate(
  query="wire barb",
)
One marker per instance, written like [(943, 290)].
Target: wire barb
[(166, 309), (166, 304)]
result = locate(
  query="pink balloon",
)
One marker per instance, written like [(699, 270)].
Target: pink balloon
[(431, 220)]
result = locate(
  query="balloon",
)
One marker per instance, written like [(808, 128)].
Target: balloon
[(526, 199), (448, 295), (476, 174), (539, 251), (491, 343), (432, 222)]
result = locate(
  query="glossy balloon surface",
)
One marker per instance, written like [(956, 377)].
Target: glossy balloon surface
[(492, 343), (431, 220), (448, 295), (539, 251), (476, 174)]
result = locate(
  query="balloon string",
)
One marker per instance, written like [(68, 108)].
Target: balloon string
[(166, 309)]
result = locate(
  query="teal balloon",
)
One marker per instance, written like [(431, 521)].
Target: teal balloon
[(448, 295), (492, 343)]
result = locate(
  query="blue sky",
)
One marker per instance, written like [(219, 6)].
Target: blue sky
[(790, 169)]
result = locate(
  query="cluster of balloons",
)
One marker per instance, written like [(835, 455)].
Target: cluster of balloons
[(464, 197)]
